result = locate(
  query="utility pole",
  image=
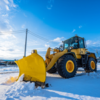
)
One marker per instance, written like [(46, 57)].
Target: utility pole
[(25, 43)]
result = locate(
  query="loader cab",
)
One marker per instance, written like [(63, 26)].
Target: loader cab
[(74, 43)]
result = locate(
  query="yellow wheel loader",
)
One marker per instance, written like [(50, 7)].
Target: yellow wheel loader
[(66, 60)]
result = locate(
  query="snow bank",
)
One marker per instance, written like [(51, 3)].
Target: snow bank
[(21, 88), (81, 87), (75, 89), (10, 80), (98, 66), (21, 78)]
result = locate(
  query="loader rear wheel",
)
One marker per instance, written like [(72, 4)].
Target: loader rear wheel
[(91, 65), (67, 66), (52, 70)]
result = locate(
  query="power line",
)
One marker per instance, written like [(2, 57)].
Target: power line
[(30, 32), (12, 32), (38, 36), (42, 38)]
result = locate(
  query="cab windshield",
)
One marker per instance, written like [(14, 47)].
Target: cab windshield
[(74, 43)]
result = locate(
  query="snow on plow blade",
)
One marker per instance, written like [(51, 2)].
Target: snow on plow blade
[(33, 67)]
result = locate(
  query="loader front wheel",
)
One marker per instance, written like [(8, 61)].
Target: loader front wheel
[(67, 66)]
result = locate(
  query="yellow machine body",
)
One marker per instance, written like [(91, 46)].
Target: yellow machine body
[(33, 67), (52, 59)]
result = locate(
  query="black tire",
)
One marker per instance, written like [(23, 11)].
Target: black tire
[(52, 70), (88, 66), (62, 66)]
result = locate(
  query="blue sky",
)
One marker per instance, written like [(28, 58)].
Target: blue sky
[(55, 20)]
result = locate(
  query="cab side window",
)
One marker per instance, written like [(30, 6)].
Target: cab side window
[(66, 46), (81, 43)]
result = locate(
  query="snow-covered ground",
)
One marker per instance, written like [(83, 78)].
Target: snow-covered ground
[(80, 87), (4, 69)]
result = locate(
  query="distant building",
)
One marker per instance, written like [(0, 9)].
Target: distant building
[(7, 62)]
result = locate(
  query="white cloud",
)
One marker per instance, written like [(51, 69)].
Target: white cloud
[(46, 45), (73, 30), (88, 42), (93, 43), (6, 1), (80, 26), (6, 5), (12, 3), (7, 8), (9, 48), (93, 46), (58, 39), (97, 42), (8, 41), (5, 24), (7, 35)]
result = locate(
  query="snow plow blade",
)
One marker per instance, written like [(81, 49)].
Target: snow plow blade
[(33, 67)]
